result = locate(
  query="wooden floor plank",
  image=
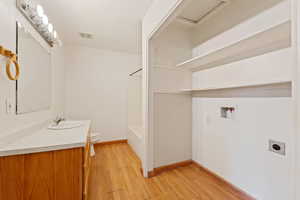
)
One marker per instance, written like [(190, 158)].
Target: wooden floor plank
[(116, 175)]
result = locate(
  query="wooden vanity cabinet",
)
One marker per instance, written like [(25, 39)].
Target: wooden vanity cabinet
[(55, 175)]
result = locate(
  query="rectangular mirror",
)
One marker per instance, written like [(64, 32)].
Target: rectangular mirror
[(34, 84)]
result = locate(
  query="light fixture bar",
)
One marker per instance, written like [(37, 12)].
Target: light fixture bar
[(35, 14)]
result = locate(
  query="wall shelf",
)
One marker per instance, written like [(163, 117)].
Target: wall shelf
[(272, 39), (171, 92), (271, 89)]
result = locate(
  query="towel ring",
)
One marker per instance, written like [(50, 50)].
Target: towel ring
[(12, 58)]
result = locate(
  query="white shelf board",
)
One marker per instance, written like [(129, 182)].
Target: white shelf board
[(272, 39), (269, 89), (237, 86), (170, 92)]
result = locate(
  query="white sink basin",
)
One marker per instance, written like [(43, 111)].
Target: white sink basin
[(65, 125)]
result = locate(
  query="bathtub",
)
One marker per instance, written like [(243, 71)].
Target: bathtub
[(135, 139)]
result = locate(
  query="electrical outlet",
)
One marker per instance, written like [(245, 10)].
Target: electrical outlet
[(9, 106)]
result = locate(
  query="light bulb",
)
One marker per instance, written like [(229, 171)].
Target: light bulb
[(45, 20), (40, 10), (55, 34), (50, 28)]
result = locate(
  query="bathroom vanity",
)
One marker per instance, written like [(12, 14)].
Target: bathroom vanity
[(46, 164)]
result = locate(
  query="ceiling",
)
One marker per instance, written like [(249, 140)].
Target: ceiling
[(115, 24)]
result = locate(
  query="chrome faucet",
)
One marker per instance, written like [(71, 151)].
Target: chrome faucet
[(58, 119)]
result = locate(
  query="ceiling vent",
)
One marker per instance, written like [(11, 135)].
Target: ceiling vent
[(196, 13), (86, 35)]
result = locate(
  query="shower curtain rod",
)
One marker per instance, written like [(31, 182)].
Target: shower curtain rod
[(136, 72)]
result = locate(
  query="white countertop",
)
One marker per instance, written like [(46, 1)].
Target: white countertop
[(47, 140)]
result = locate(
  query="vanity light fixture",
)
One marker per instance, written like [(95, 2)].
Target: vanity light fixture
[(36, 16)]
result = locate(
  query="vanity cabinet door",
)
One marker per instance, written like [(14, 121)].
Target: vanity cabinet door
[(12, 177), (68, 174), (39, 176)]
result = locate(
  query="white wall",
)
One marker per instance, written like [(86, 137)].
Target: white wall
[(171, 115), (170, 80), (58, 82), (171, 46), (172, 128), (11, 123), (96, 88), (171, 111), (237, 149)]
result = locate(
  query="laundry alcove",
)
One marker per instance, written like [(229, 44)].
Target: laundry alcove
[(205, 55)]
